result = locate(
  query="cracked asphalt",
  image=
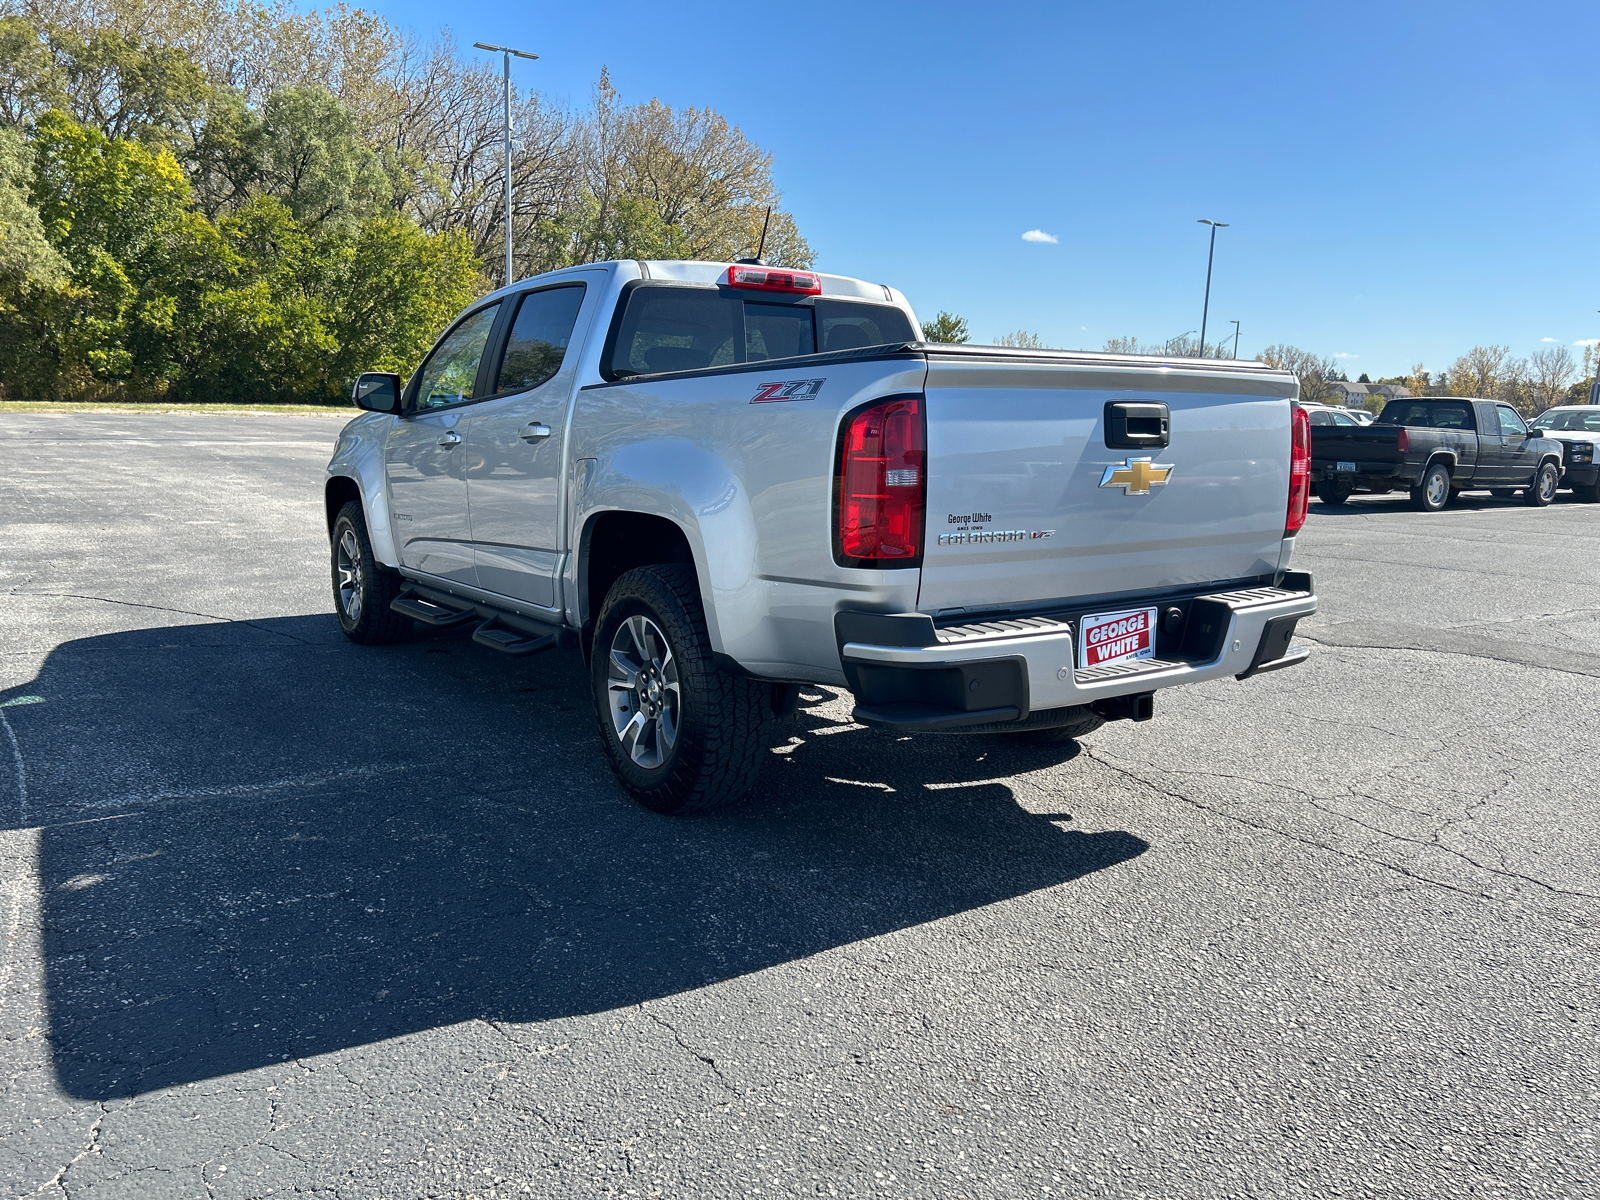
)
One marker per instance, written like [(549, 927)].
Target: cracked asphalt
[(285, 916)]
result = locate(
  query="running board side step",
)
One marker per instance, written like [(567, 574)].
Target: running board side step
[(436, 616), (511, 641)]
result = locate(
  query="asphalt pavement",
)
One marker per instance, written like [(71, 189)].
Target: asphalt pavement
[(281, 915)]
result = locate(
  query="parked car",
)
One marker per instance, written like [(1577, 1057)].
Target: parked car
[(1577, 428), (1436, 447), (1327, 414), (724, 481)]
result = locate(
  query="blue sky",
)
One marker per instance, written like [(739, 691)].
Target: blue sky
[(1402, 179)]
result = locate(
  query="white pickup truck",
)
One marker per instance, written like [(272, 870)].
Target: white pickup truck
[(723, 481)]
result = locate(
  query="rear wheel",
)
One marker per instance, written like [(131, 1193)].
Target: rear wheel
[(363, 588), (1543, 488), (1433, 493), (682, 735), (1331, 491)]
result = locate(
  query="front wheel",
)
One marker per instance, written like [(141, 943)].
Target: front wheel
[(363, 588), (1589, 493), (1433, 493), (1543, 488), (682, 735)]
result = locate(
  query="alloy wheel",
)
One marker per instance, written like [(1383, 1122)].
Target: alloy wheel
[(642, 685), (1438, 488), (347, 562)]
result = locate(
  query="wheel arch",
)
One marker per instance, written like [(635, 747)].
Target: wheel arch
[(616, 540)]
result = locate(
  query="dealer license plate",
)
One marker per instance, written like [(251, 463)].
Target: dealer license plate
[(1112, 637), (1348, 468)]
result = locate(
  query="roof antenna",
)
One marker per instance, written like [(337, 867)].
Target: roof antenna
[(758, 261)]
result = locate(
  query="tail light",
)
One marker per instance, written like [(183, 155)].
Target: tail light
[(1402, 441), (765, 279), (1299, 469), (882, 484)]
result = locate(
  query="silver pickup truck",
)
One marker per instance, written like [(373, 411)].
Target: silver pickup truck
[(724, 481)]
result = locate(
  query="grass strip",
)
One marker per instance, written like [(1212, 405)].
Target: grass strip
[(272, 410)]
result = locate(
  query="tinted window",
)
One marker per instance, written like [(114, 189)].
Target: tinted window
[(777, 331), (1510, 423), (843, 325), (451, 372), (539, 338), (1429, 414), (1589, 421), (676, 329), (1318, 417)]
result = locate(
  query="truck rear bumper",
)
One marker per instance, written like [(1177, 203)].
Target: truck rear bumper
[(910, 676), (1402, 474)]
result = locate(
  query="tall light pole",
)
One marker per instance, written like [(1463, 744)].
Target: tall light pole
[(1206, 311), (507, 52), (1235, 340)]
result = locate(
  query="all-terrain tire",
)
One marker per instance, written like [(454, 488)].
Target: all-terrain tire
[(363, 588), (1433, 493), (715, 750), (1330, 492), (1542, 490)]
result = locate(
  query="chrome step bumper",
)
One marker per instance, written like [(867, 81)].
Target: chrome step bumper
[(998, 671)]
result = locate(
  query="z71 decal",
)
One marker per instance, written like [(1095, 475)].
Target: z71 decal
[(792, 389)]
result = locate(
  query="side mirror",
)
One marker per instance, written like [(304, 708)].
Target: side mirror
[(378, 392)]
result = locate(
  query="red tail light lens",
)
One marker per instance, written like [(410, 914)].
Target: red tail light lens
[(766, 279), (1402, 441), (883, 485), (1299, 469)]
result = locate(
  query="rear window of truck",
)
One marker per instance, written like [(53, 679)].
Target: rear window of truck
[(672, 327), (1428, 414)]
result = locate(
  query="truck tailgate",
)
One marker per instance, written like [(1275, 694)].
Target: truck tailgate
[(1332, 444), (1017, 460)]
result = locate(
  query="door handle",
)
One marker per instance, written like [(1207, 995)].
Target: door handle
[(450, 439), (535, 432)]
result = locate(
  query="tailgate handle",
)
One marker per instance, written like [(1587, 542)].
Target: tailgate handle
[(1137, 424)]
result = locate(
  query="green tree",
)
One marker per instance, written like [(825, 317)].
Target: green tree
[(309, 152), (947, 328)]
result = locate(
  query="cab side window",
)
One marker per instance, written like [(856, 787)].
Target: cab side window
[(539, 338), (1511, 425), (450, 375)]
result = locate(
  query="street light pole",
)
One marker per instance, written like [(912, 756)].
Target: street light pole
[(506, 52), (1236, 341), (1206, 311)]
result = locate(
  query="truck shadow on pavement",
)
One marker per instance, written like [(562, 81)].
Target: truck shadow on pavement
[(259, 842)]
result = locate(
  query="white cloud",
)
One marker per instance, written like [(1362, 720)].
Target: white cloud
[(1039, 235), (1548, 339), (1587, 342), (1347, 355)]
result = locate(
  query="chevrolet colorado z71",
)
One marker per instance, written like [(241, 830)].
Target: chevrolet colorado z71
[(723, 481)]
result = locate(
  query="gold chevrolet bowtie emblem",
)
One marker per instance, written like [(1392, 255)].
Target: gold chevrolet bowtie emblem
[(1137, 476)]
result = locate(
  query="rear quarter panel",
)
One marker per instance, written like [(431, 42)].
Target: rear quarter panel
[(751, 485)]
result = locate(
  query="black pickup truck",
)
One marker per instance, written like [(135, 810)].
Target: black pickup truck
[(1436, 446)]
